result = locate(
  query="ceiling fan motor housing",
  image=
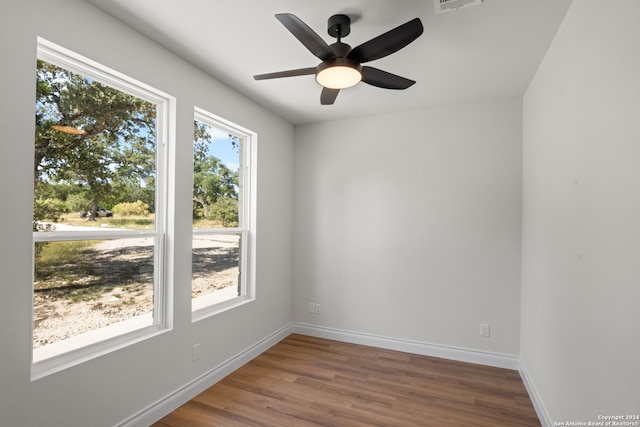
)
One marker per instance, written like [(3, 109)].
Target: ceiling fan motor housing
[(339, 26)]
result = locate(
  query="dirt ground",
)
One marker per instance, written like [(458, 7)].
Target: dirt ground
[(121, 286)]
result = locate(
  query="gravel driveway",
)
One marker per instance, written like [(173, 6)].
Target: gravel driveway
[(120, 285)]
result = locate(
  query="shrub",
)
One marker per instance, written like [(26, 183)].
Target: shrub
[(46, 210), (137, 208), (225, 210)]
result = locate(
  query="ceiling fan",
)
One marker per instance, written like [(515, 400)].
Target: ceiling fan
[(341, 65)]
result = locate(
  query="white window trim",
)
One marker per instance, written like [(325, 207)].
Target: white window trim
[(247, 224), (105, 340)]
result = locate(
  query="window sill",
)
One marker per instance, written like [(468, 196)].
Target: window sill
[(217, 302), (61, 355)]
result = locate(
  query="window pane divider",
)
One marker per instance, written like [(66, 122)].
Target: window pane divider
[(218, 230), (41, 236)]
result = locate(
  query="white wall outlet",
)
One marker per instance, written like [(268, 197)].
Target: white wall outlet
[(485, 330), (317, 309), (312, 307), (195, 352)]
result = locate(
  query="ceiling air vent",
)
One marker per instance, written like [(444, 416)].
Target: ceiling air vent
[(443, 6)]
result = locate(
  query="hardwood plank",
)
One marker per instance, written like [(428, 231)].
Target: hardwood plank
[(306, 381)]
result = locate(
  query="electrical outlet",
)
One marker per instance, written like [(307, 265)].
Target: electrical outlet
[(195, 352), (485, 330), (317, 309), (312, 307)]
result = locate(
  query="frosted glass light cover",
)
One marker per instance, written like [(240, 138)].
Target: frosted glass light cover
[(338, 77)]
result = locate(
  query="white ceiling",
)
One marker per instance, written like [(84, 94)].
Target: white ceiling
[(476, 53)]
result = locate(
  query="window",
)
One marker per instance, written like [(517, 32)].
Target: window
[(99, 217), (223, 228)]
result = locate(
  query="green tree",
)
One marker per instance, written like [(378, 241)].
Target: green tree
[(91, 136), (78, 202)]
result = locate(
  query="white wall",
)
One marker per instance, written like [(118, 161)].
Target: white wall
[(581, 235), (408, 225), (107, 390)]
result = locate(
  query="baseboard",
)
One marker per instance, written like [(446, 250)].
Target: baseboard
[(541, 411), (434, 350), (159, 409)]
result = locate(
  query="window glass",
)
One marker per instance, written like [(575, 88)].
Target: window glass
[(216, 268), (216, 177), (95, 152), (84, 285)]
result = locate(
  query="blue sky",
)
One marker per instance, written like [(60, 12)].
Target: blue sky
[(222, 148)]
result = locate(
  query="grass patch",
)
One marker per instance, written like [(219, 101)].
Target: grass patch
[(137, 222), (66, 252), (210, 223), (61, 263), (83, 295)]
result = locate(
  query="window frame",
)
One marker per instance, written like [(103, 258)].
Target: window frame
[(246, 218), (47, 361)]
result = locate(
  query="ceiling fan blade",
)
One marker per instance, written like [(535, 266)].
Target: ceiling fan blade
[(379, 78), (309, 38), (328, 96), (288, 73), (387, 43)]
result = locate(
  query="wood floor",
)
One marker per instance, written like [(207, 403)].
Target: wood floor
[(306, 381)]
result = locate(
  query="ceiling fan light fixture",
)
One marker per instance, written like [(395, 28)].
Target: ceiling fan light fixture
[(339, 73)]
